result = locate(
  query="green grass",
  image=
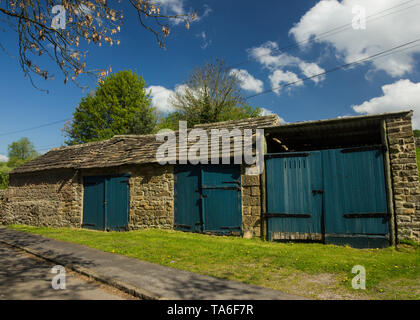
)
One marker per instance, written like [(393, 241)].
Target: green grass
[(312, 270)]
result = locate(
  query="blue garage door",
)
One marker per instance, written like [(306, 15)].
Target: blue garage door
[(105, 204), (337, 196), (208, 199)]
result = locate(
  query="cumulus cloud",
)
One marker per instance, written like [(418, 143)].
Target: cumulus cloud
[(247, 81), (383, 31), (279, 77), (398, 96), (311, 70), (267, 55), (3, 158), (160, 98), (277, 62)]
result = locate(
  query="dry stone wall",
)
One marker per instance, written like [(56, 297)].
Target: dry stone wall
[(44, 198), (251, 205), (3, 203), (405, 179)]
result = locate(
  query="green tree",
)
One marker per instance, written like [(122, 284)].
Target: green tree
[(20, 152), (211, 94), (120, 105), (416, 133), (4, 175)]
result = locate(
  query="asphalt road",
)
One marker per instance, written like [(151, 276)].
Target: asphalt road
[(25, 277)]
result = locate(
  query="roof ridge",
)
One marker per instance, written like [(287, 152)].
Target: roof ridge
[(201, 125)]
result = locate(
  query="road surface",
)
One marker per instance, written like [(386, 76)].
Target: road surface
[(23, 276)]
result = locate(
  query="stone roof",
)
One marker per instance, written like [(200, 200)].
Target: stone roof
[(122, 150)]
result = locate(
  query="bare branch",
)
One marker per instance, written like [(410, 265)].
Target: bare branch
[(92, 21)]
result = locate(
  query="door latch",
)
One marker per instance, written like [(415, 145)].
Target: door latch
[(318, 191)]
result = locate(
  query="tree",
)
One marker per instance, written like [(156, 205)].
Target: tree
[(120, 105), (47, 29), (211, 94), (20, 152), (416, 133), (4, 175)]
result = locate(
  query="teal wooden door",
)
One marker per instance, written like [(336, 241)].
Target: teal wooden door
[(356, 209), (187, 199), (338, 196), (208, 199), (94, 203), (105, 202), (117, 199), (221, 197), (294, 196)]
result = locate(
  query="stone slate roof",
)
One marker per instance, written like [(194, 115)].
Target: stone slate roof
[(121, 150)]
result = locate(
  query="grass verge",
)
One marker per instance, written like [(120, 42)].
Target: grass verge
[(312, 270)]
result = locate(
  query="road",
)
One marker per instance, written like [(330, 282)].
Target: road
[(25, 277)]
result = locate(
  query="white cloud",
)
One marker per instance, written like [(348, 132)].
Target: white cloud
[(267, 112), (383, 31), (398, 96), (247, 81), (3, 158), (269, 55), (175, 7), (310, 70), (266, 55), (279, 77), (160, 98)]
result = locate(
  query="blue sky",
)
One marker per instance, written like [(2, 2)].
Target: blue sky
[(250, 33)]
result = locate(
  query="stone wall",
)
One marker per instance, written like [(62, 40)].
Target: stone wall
[(3, 203), (44, 198), (404, 175), (251, 205), (152, 197)]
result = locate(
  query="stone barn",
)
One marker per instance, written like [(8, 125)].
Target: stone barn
[(350, 181)]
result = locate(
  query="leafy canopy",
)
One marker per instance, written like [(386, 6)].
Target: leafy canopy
[(4, 175), (120, 105), (211, 94), (20, 152)]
